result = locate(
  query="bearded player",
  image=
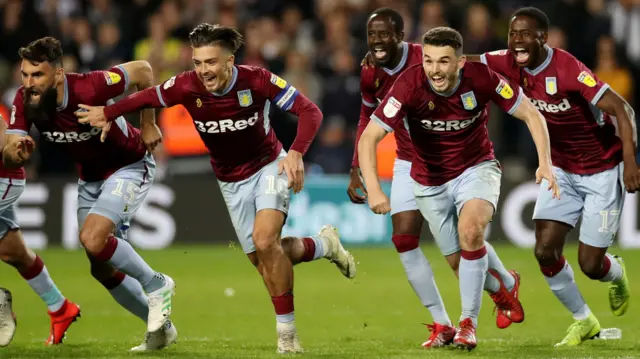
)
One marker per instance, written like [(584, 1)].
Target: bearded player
[(593, 148), (443, 105), (230, 107), (13, 251), (388, 57), (115, 171)]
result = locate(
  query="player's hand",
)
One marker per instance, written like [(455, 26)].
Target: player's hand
[(94, 115), (631, 176), (368, 61), (25, 147), (355, 184), (379, 202), (151, 135), (547, 173), (294, 168)]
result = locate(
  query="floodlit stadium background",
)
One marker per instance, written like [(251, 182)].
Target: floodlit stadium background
[(317, 46)]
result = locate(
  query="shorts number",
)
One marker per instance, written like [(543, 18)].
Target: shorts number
[(273, 188), (607, 219), (130, 196)]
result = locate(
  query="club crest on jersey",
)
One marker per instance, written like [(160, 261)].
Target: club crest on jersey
[(551, 85), (431, 106), (244, 98), (198, 103), (278, 81), (112, 77), (392, 107), (469, 100), (587, 79), (504, 90)]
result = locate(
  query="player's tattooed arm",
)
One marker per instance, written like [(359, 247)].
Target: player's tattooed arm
[(371, 137), (615, 105), (141, 76), (538, 128)]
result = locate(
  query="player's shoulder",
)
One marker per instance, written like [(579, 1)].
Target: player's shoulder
[(475, 70), (412, 75), (187, 80), (563, 59)]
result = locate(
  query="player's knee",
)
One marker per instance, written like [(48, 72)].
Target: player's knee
[(264, 241), (591, 266), (405, 242), (14, 252), (92, 240), (546, 250), (407, 222), (471, 232)]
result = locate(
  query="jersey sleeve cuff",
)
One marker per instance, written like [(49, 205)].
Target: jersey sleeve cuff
[(517, 103), (16, 132), (369, 104), (164, 104), (381, 123), (599, 94), (126, 76)]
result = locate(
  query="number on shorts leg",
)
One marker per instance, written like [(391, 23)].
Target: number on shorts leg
[(274, 187), (607, 217), (132, 189)]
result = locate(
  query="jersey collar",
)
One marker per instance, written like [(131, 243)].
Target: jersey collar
[(65, 96), (544, 64), (234, 77), (403, 61)]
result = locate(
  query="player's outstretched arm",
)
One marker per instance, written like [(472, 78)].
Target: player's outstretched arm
[(371, 137), (615, 105), (141, 76), (526, 112)]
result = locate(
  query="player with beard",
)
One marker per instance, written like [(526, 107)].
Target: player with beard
[(230, 106), (115, 170), (443, 105), (594, 165), (391, 56), (13, 251)]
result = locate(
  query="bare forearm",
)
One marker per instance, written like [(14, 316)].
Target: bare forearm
[(540, 134), (147, 116), (145, 99), (368, 162), (627, 127)]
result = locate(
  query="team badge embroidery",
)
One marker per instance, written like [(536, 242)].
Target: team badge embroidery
[(551, 85), (469, 100), (244, 98)]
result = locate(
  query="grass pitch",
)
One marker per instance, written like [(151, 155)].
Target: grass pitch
[(376, 315)]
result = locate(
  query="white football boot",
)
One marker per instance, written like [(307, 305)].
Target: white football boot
[(160, 304), (7, 318), (288, 341), (335, 253), (159, 339)]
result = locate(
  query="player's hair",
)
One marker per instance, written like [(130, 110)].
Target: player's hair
[(224, 36), (396, 19), (542, 21), (444, 36), (46, 49)]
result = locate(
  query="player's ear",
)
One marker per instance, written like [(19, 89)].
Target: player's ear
[(400, 35), (461, 61), (544, 36), (231, 60)]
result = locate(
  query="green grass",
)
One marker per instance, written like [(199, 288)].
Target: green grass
[(375, 316)]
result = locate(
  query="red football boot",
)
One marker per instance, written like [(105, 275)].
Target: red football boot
[(61, 320), (441, 335), (466, 336), (508, 306)]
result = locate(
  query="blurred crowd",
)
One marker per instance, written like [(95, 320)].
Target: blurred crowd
[(316, 45)]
